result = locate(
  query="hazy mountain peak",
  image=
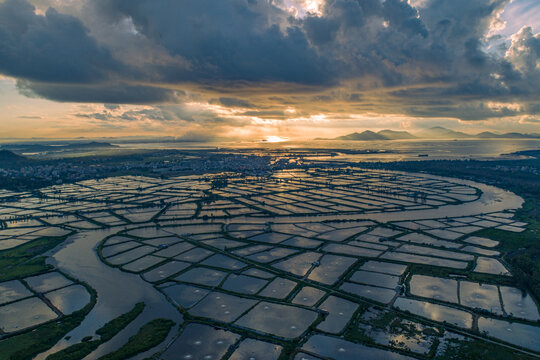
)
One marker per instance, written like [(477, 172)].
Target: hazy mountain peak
[(396, 135), (439, 132), (365, 135)]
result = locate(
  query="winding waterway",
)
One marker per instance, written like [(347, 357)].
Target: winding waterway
[(117, 292)]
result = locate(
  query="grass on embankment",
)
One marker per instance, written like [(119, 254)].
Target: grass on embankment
[(107, 332), (21, 261), (149, 336)]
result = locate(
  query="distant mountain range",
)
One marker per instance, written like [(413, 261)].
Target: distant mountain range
[(370, 135), (512, 135), (366, 135), (436, 132)]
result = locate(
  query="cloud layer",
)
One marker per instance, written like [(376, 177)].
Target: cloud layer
[(265, 60)]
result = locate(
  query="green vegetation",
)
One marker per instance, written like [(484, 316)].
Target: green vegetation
[(77, 351), (382, 320), (27, 345), (21, 261), (522, 251), (114, 326), (107, 332), (150, 335)]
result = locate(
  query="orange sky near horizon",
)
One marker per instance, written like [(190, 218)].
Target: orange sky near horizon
[(206, 108)]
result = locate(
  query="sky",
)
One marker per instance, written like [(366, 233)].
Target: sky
[(249, 69)]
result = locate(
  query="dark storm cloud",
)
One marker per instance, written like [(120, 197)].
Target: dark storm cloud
[(434, 54), (404, 17), (53, 56), (321, 30), (53, 47), (226, 40)]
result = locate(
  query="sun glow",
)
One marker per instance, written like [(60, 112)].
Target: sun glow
[(275, 139)]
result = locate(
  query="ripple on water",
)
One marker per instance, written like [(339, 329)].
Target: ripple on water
[(250, 349), (199, 341), (527, 336), (24, 314), (435, 312)]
